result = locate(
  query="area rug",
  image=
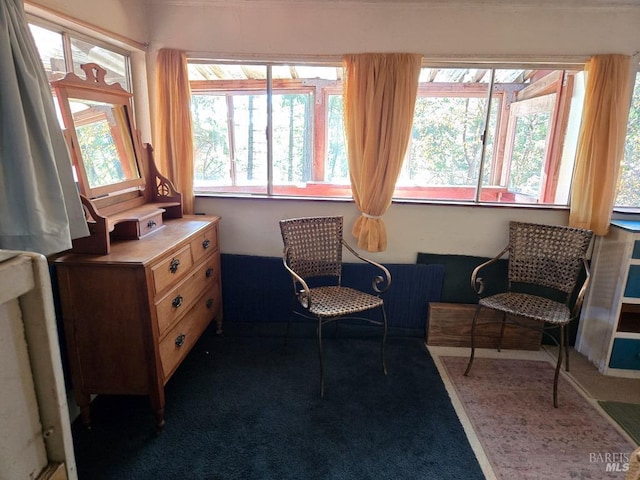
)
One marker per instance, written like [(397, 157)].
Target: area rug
[(627, 415), (239, 408), (509, 405)]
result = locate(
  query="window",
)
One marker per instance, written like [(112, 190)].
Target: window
[(53, 44), (479, 134), (230, 105), (629, 186)]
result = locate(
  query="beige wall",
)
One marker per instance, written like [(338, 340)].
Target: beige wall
[(250, 226), (431, 27)]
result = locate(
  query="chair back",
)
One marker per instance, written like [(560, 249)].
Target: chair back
[(313, 246), (547, 255)]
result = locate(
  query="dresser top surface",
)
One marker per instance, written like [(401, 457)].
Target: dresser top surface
[(147, 248)]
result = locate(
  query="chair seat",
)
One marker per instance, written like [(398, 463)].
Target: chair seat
[(530, 306), (335, 301)]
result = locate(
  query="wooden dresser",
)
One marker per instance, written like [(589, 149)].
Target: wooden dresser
[(132, 315)]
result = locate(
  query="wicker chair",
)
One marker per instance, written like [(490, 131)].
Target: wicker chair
[(313, 258), (547, 260)]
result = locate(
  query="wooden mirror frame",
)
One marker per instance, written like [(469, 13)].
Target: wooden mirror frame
[(125, 210), (94, 88)]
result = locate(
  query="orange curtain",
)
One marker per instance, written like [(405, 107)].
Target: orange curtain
[(379, 99), (173, 128), (601, 141)]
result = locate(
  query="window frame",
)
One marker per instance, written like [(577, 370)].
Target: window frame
[(337, 192), (67, 34), (635, 90)]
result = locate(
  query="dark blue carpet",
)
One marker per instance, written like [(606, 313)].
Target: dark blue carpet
[(238, 408)]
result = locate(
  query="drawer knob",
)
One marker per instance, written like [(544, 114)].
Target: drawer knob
[(209, 272), (151, 224), (180, 340), (206, 243), (173, 267), (210, 303), (177, 301)]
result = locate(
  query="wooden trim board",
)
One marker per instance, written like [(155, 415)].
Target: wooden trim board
[(449, 325)]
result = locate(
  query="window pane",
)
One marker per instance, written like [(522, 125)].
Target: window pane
[(114, 63), (629, 186), (212, 162), (307, 150), (528, 154), (308, 159), (532, 137), (229, 128), (249, 120), (443, 158), (49, 45), (292, 139), (337, 167)]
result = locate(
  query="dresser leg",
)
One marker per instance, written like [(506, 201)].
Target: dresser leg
[(160, 419), (157, 405)]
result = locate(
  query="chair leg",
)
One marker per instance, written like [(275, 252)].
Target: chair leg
[(558, 365), (473, 342), (566, 349), (321, 359), (384, 340), (504, 319)]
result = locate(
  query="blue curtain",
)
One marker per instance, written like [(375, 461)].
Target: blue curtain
[(40, 209)]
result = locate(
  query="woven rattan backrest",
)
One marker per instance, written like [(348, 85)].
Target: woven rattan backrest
[(547, 255), (314, 245)]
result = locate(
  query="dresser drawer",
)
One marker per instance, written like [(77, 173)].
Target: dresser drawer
[(625, 354), (171, 269), (181, 298), (204, 243), (138, 228), (181, 338)]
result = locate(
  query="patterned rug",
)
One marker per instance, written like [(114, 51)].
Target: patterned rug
[(510, 408)]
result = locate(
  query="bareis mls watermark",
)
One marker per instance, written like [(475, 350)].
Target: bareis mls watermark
[(613, 462)]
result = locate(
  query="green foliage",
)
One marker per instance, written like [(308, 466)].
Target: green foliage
[(210, 137), (445, 141), (292, 133), (337, 169), (445, 147), (99, 154), (629, 185), (527, 158)]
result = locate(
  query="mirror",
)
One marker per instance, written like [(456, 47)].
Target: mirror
[(100, 133)]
